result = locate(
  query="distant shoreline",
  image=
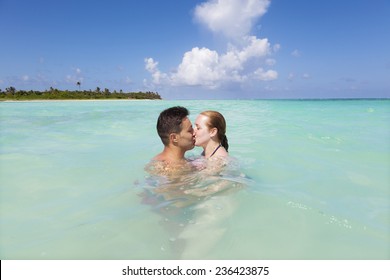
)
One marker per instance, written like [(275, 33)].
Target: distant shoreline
[(75, 100), (12, 94), (148, 99)]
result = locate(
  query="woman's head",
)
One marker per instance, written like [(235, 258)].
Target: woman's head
[(211, 125)]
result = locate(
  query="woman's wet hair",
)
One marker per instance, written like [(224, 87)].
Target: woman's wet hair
[(216, 119), (170, 121)]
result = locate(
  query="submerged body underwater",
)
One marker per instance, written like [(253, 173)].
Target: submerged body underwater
[(307, 180)]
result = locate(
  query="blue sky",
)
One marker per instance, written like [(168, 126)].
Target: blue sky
[(189, 49)]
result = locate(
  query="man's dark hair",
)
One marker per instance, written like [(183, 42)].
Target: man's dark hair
[(170, 121)]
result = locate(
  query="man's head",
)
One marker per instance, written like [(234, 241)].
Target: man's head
[(174, 127)]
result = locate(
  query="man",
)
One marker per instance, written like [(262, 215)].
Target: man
[(177, 135)]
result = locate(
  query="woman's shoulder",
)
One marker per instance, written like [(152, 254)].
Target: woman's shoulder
[(221, 152)]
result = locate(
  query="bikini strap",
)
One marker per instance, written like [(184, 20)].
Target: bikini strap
[(219, 146)]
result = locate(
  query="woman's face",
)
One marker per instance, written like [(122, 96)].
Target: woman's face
[(202, 132)]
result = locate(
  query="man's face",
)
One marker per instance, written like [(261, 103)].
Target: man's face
[(186, 138)]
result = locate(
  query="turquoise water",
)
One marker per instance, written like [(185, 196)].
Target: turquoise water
[(316, 178)]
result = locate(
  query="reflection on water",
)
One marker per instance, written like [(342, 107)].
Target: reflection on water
[(319, 186), (194, 199)]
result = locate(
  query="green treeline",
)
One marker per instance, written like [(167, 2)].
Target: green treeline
[(52, 94)]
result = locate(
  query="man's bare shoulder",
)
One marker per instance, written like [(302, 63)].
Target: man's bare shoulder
[(157, 166), (159, 157), (162, 167)]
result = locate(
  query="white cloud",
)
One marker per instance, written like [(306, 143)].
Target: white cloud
[(151, 66), (265, 75), (255, 48), (128, 80), (205, 67), (244, 54), (75, 77), (270, 61), (276, 47), (198, 67), (38, 79), (296, 53), (69, 79), (232, 18)]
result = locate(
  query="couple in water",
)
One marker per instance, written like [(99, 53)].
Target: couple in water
[(191, 195), (182, 182), (179, 136)]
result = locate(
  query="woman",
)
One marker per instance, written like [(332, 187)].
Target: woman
[(210, 134)]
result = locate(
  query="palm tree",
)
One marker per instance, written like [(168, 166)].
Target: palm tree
[(79, 84)]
